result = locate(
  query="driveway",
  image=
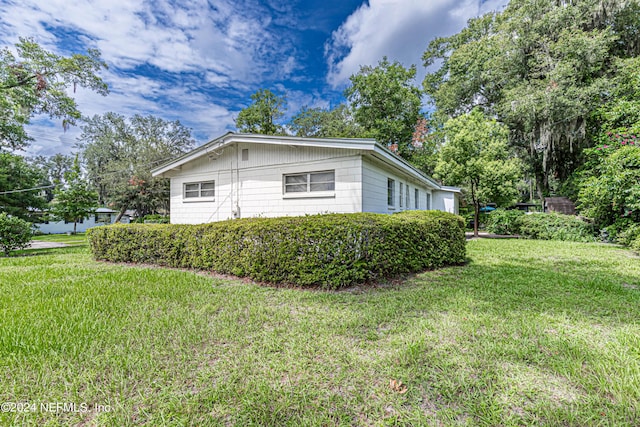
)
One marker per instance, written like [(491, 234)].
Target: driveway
[(37, 244)]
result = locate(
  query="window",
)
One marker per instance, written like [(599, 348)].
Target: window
[(391, 189), (245, 154), (309, 182), (416, 198), (196, 190), (401, 198), (428, 207), (102, 218), (407, 196)]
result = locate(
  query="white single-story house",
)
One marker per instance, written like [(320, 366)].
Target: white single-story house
[(101, 216), (248, 175)]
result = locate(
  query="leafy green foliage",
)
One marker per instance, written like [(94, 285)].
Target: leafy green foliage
[(386, 103), (76, 200), (52, 169), (331, 251), (15, 233), (320, 123), (502, 221), (611, 189), (261, 116), (476, 156), (119, 153), (35, 82), (541, 68), (555, 226), (16, 175)]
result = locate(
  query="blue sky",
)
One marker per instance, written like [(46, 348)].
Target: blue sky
[(200, 60)]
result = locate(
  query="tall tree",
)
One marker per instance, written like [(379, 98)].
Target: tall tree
[(262, 115), (75, 200), (320, 123), (119, 153), (35, 81), (53, 169), (541, 67), (21, 194), (386, 103), (476, 156)]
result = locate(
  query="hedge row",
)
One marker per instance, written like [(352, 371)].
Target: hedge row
[(543, 226), (330, 251)]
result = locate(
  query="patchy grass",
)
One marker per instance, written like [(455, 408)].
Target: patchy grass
[(528, 333)]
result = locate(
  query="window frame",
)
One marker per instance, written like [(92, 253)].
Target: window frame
[(308, 183), (200, 190), (391, 193), (407, 197)]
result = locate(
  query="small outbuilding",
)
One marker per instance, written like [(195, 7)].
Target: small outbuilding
[(248, 175)]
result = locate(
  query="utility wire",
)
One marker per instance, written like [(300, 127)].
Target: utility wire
[(26, 189)]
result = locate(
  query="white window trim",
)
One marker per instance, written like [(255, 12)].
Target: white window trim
[(391, 181), (198, 199), (309, 194)]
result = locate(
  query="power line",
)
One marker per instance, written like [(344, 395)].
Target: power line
[(26, 189)]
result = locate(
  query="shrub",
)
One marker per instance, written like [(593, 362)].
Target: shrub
[(503, 221), (15, 233), (321, 250), (555, 226), (153, 219), (629, 234)]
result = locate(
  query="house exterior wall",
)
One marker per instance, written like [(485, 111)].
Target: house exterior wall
[(375, 176), (254, 187), (446, 201)]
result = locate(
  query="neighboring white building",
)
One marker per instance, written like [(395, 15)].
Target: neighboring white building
[(246, 175), (101, 216)]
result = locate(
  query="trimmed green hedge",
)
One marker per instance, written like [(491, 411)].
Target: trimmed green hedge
[(505, 222), (555, 226), (331, 251)]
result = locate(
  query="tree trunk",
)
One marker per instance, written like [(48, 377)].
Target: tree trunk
[(120, 214), (74, 227), (476, 210)]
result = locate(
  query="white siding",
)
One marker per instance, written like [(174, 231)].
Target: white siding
[(375, 176), (446, 201), (253, 187)]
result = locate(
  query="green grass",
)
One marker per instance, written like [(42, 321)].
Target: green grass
[(528, 333), (71, 239)]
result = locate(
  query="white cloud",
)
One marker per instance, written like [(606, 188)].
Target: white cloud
[(183, 36), (195, 46), (398, 29)]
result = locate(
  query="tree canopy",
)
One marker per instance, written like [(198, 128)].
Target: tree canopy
[(476, 157), (541, 67), (20, 192), (386, 103), (321, 123), (75, 200), (262, 115), (119, 153), (34, 81)]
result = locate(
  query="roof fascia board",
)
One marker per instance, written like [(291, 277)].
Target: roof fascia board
[(230, 138)]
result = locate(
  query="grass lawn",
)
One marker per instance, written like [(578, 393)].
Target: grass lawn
[(70, 239), (528, 333)]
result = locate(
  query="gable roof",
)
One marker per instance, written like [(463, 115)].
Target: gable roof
[(367, 146)]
